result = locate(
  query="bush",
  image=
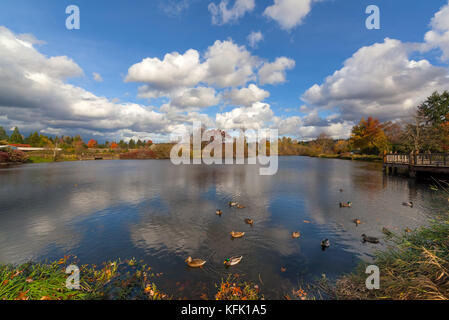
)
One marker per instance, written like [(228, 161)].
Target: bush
[(138, 155), (11, 155), (4, 156)]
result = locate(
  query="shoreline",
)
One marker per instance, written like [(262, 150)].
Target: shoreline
[(363, 158)]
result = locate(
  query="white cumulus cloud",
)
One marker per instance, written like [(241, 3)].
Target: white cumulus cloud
[(222, 15), (289, 13)]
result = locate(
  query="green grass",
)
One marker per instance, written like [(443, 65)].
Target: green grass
[(113, 280), (35, 159)]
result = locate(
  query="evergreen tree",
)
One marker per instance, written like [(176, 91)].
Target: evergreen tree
[(16, 137), (34, 140), (3, 135), (132, 144)]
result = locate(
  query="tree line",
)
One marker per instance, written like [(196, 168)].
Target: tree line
[(67, 143)]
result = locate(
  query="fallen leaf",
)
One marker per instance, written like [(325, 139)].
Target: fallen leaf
[(4, 283), (23, 295), (46, 298), (29, 280)]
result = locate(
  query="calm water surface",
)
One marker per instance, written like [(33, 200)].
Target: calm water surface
[(161, 213)]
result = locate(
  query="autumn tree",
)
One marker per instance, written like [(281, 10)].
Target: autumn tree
[(113, 146), (132, 144), (325, 143), (369, 137), (341, 146), (92, 144)]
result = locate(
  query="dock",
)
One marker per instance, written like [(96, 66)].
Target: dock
[(417, 163)]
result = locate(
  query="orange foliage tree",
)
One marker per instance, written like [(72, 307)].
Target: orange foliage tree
[(92, 144), (369, 136), (114, 146)]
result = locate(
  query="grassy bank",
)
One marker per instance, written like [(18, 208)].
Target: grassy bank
[(415, 268), (115, 280), (355, 157)]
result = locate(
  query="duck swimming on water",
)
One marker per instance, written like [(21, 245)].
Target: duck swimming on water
[(195, 263), (249, 221), (357, 222), (237, 234), (233, 204), (296, 234), (325, 244), (365, 238), (346, 205), (232, 261), (219, 212), (408, 204)]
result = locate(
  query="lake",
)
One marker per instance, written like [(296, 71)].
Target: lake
[(161, 214)]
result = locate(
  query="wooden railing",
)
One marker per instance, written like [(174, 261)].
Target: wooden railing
[(421, 159)]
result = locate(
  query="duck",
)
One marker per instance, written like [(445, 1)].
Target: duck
[(249, 221), (408, 204), (387, 232), (233, 204), (296, 234), (283, 269), (357, 222), (195, 263), (232, 261), (346, 205), (341, 190), (365, 238), (239, 206), (325, 244), (219, 212), (237, 234)]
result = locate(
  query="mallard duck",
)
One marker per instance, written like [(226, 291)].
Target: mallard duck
[(407, 230), (195, 263), (233, 204), (239, 206), (365, 238), (325, 244), (387, 232), (346, 205), (219, 212), (249, 221), (408, 204), (233, 261), (296, 234), (237, 234), (283, 269), (357, 222)]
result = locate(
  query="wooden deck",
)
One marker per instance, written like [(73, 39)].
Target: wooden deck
[(425, 163)]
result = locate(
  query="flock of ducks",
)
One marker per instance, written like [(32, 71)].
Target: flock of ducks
[(232, 261), (325, 243)]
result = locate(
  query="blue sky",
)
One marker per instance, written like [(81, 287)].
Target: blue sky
[(116, 35)]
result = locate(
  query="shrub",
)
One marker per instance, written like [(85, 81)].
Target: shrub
[(138, 155)]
